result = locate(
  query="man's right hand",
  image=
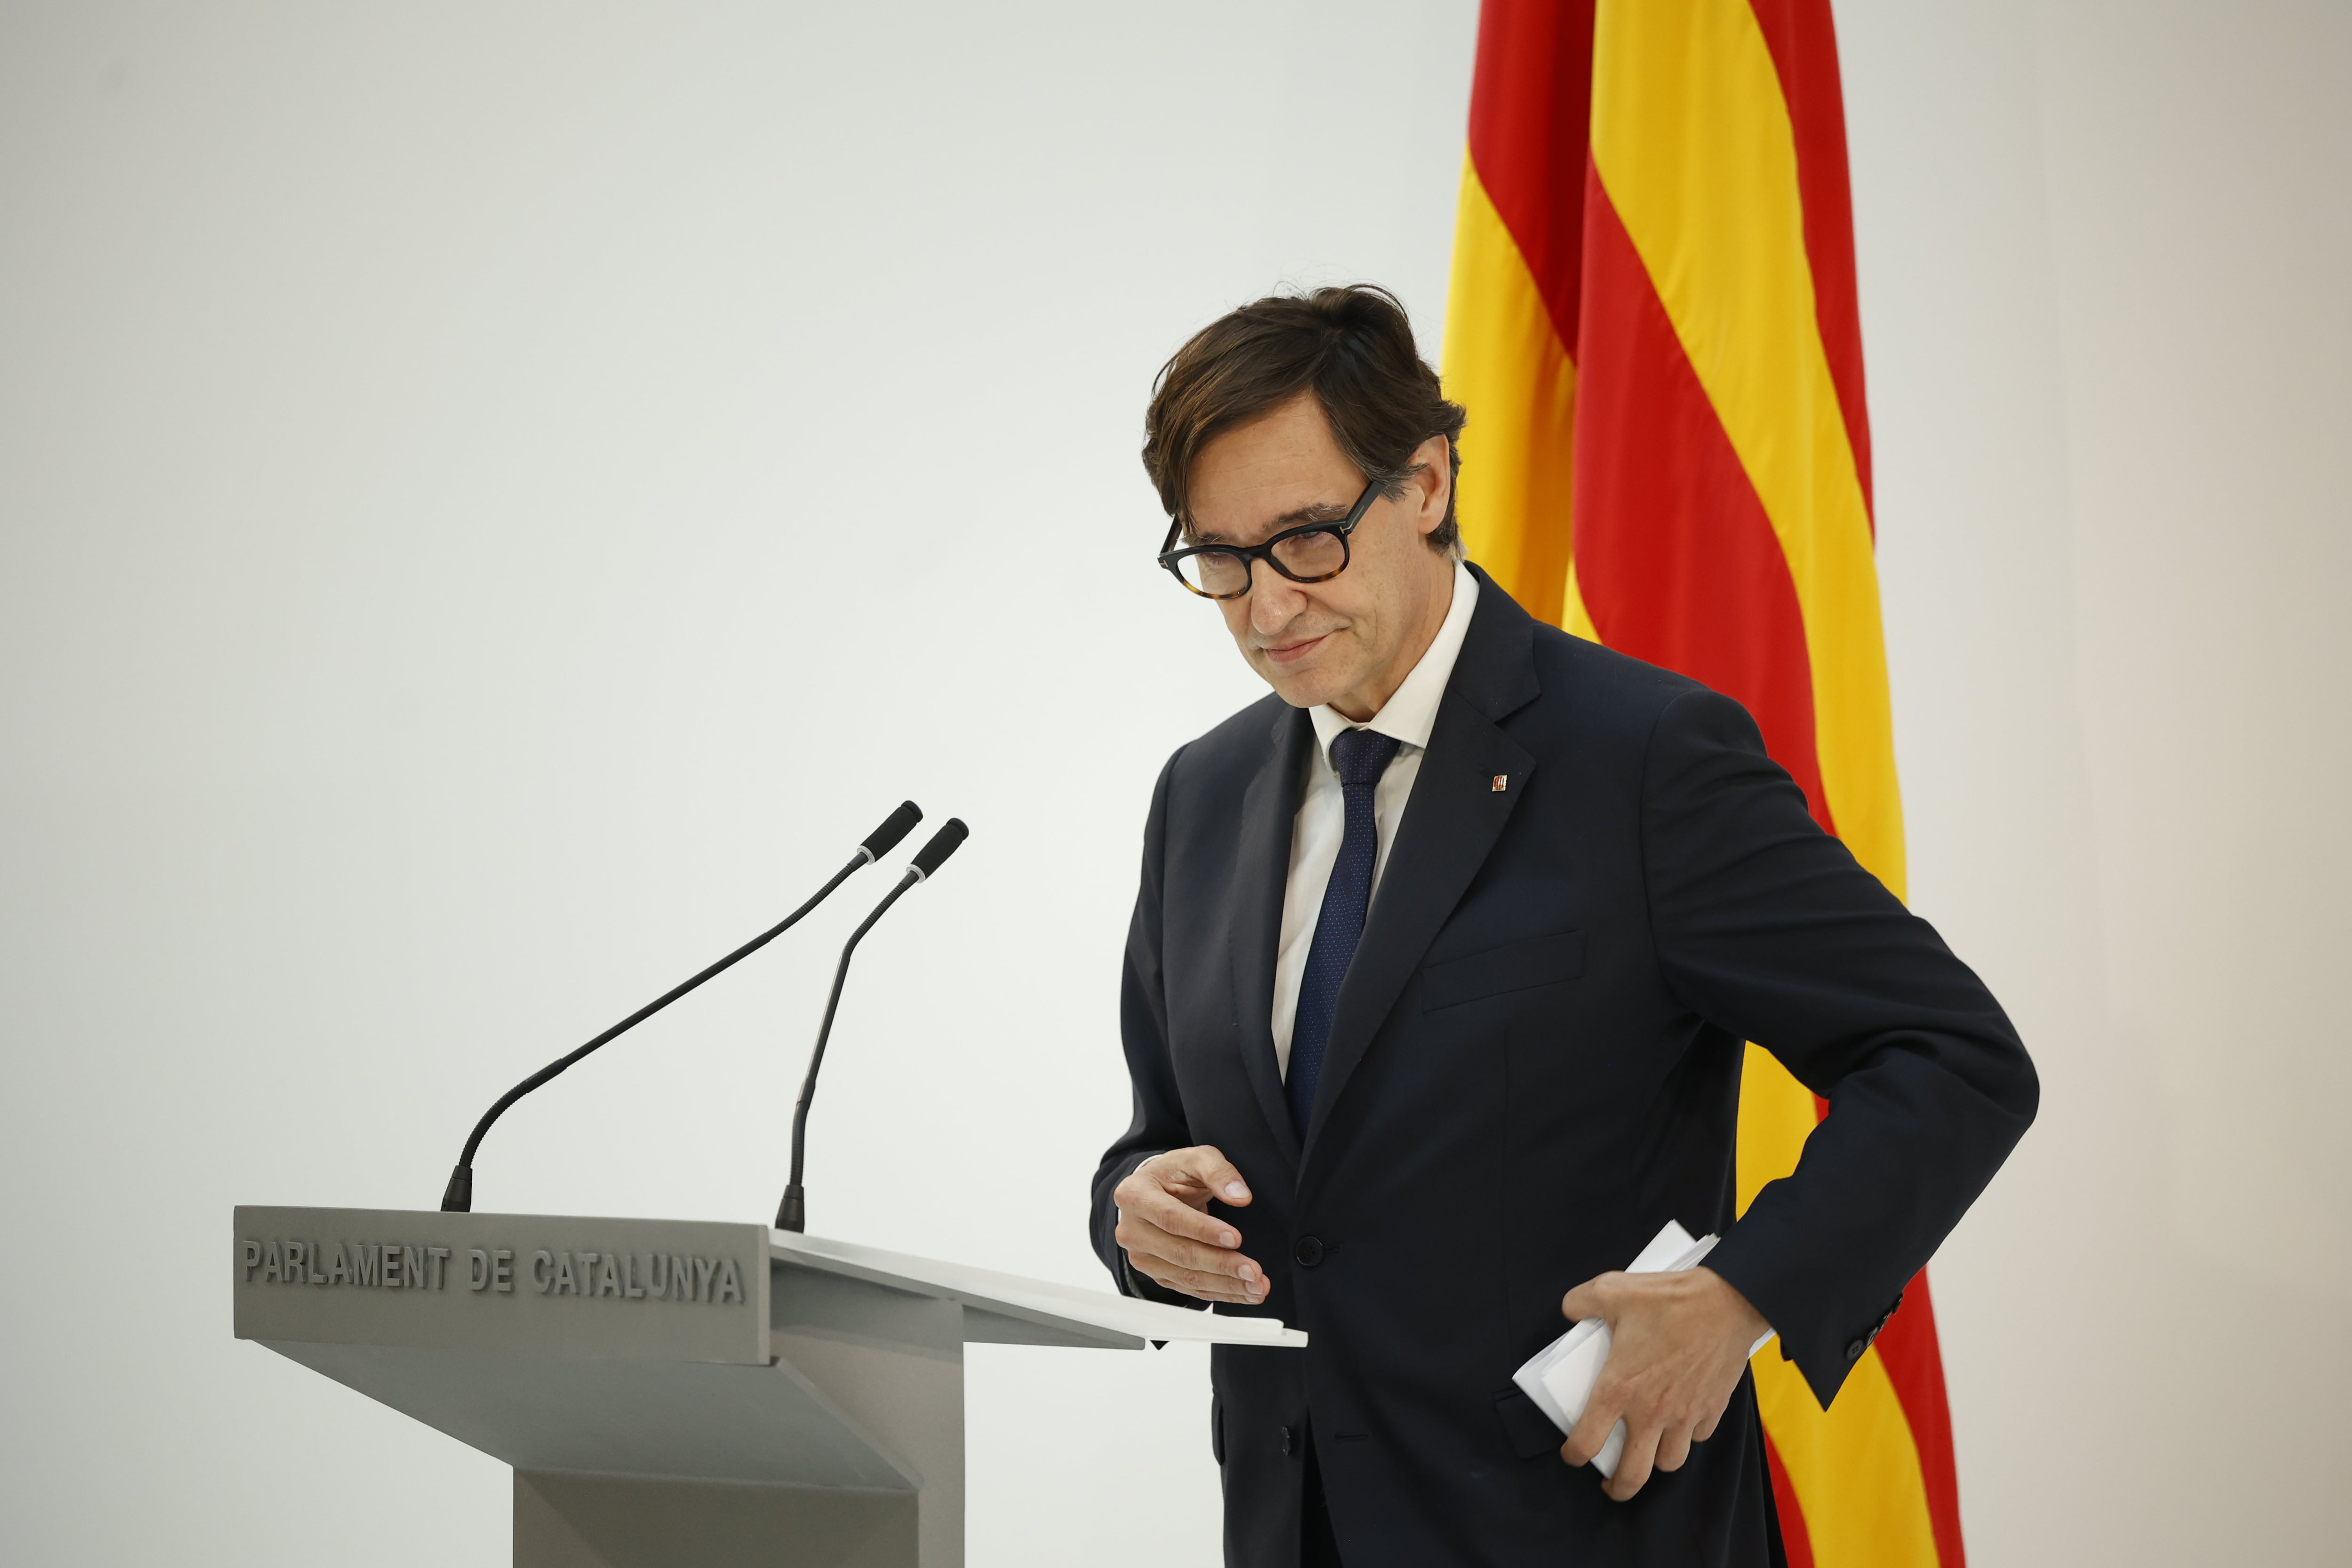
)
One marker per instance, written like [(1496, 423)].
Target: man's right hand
[(1170, 1238)]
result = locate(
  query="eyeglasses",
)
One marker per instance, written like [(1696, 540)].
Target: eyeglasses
[(1311, 553)]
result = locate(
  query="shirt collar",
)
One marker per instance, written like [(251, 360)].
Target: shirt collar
[(1411, 713)]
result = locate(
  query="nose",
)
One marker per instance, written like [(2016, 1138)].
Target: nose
[(1274, 599)]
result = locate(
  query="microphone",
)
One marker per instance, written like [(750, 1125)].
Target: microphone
[(792, 1213), (459, 1197)]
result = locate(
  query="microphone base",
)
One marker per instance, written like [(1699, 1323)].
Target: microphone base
[(792, 1215), (459, 1197)]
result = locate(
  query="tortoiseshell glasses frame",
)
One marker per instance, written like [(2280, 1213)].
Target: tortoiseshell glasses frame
[(1303, 554)]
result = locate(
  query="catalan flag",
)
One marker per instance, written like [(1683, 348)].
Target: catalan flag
[(1652, 325)]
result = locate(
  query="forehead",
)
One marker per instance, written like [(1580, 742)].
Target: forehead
[(1261, 476)]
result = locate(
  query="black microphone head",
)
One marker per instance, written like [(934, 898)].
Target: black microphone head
[(943, 844), (895, 827)]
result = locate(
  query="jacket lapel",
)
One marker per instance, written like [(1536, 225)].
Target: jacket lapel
[(1450, 824), (1261, 871)]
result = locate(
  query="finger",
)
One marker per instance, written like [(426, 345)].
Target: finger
[(1136, 1234), (1184, 1253), (1591, 1299), (1209, 1166), (1202, 1288), (1591, 1432), (1158, 1207), (1633, 1465), (1196, 1282), (1706, 1426), (1674, 1447)]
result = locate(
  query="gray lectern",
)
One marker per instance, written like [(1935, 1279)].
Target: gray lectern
[(676, 1391)]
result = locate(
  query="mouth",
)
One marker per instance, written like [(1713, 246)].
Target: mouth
[(1291, 653)]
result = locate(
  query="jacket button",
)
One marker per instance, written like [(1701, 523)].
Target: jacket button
[(1307, 1252), (1286, 1440), (1853, 1351)]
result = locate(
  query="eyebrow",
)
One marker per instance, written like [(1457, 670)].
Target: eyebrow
[(1319, 511)]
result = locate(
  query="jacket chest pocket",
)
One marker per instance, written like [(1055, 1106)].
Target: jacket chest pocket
[(1514, 966)]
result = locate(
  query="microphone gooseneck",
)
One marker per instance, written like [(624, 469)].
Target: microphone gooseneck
[(459, 1197), (793, 1213)]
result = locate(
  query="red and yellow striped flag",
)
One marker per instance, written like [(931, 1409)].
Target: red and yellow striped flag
[(1652, 324)]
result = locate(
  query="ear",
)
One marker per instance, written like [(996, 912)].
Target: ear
[(1434, 463)]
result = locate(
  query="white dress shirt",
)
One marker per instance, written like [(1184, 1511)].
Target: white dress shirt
[(1322, 817)]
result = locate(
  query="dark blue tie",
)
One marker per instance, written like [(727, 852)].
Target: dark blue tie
[(1359, 757)]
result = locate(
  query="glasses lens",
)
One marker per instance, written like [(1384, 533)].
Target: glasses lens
[(1311, 555), (1215, 573)]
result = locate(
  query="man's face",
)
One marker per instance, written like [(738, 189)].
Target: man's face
[(1350, 641)]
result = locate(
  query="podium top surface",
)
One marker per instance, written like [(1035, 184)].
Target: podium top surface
[(999, 1307), (695, 1290)]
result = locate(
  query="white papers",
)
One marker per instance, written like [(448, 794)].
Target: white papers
[(1559, 1377)]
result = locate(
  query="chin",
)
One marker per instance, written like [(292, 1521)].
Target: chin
[(1300, 688)]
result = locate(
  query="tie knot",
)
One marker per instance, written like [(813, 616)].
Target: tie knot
[(1361, 756)]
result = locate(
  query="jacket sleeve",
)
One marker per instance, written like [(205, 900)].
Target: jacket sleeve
[(1767, 928), (1158, 1124)]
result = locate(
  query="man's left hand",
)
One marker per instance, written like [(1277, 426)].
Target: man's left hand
[(1678, 1344)]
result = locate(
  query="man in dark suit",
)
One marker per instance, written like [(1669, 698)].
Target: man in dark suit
[(1434, 1004)]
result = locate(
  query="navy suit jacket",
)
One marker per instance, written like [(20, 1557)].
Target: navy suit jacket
[(1534, 1064)]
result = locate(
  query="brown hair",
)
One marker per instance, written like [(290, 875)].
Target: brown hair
[(1353, 347)]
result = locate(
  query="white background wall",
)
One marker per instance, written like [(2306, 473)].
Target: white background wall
[(493, 500)]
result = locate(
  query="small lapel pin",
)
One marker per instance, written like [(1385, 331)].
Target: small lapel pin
[(1501, 783)]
